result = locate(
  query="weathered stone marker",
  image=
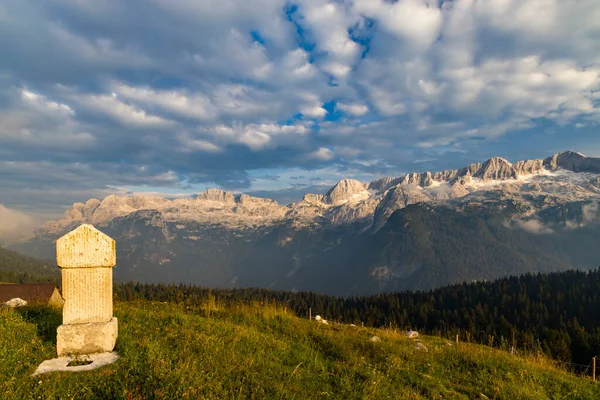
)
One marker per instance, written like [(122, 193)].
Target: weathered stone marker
[(86, 257)]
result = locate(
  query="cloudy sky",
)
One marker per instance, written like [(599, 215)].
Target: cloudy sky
[(282, 97)]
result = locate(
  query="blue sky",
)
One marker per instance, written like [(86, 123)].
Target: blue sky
[(282, 97)]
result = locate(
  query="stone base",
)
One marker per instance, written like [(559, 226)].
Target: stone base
[(62, 363), (95, 337)]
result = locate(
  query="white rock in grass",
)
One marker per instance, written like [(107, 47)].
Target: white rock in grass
[(16, 302), (412, 334), (318, 318), (375, 339), (421, 347)]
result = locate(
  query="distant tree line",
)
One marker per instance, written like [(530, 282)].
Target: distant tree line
[(15, 267), (557, 314)]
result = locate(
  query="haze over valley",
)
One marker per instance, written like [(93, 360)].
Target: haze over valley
[(416, 231)]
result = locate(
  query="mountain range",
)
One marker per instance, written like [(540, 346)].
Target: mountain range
[(416, 231)]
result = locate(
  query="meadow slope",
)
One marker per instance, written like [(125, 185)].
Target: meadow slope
[(263, 351)]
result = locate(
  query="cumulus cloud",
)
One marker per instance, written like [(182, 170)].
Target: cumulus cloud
[(176, 101), (323, 154), (212, 91), (111, 106), (354, 109)]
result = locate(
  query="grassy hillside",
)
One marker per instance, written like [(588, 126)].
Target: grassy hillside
[(262, 351), (15, 267)]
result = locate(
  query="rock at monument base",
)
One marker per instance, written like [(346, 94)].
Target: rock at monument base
[(62, 363), (94, 337)]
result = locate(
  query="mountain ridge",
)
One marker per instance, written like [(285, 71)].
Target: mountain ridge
[(347, 193), (528, 216)]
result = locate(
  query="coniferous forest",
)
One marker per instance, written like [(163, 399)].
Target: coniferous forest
[(557, 314), (15, 267)]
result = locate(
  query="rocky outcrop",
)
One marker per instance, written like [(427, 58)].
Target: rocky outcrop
[(458, 190), (381, 184), (251, 200), (89, 207), (217, 195), (313, 198), (496, 169), (118, 206), (572, 161), (345, 190), (395, 198), (351, 201), (528, 167), (353, 212), (258, 207)]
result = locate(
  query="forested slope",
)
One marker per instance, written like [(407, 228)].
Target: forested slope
[(15, 267), (557, 313)]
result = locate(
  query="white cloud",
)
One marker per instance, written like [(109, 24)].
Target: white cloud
[(254, 138), (416, 22), (322, 154), (125, 113), (206, 80), (590, 212), (30, 120), (40, 103), (259, 136), (15, 224), (355, 109), (192, 145), (328, 22), (534, 226), (194, 105), (314, 111)]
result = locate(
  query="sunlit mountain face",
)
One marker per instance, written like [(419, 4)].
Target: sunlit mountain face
[(281, 98), (416, 231)]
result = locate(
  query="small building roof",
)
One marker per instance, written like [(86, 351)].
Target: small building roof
[(31, 292)]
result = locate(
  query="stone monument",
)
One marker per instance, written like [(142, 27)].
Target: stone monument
[(86, 257)]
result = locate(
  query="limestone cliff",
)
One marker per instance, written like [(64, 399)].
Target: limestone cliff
[(345, 190), (542, 183)]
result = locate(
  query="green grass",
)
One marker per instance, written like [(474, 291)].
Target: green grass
[(172, 352)]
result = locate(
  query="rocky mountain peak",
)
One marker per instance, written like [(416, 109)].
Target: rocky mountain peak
[(246, 199), (380, 184), (349, 200), (344, 190), (572, 161), (313, 198), (218, 195), (528, 167), (496, 168), (89, 207)]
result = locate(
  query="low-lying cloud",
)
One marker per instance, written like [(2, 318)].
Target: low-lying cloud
[(534, 226), (14, 224)]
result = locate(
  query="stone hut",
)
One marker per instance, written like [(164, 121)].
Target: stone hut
[(32, 293)]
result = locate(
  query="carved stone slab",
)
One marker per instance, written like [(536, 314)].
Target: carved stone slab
[(86, 247)]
